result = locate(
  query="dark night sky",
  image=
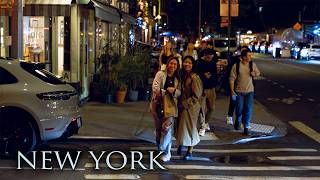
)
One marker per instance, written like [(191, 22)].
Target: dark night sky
[(275, 13)]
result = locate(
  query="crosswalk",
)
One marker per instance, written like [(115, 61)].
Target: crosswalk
[(278, 164)]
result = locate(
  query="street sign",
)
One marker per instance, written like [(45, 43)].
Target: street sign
[(234, 8), (297, 26), (224, 21)]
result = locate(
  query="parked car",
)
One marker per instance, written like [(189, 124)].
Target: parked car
[(35, 106), (221, 47), (310, 51), (296, 49)]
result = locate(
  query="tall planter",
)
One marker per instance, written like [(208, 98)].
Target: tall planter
[(133, 95), (120, 96)]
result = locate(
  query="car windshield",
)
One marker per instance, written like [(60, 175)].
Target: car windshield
[(224, 43), (38, 71), (316, 47)]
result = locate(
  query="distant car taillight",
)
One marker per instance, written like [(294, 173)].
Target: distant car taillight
[(56, 95)]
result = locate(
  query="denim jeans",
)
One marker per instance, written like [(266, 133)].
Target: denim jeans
[(232, 106), (244, 108), (166, 138)]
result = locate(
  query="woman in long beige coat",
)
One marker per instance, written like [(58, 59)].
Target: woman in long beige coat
[(191, 93)]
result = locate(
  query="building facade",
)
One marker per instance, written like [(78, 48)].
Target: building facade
[(69, 36)]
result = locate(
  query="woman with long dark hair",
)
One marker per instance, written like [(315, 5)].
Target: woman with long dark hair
[(189, 111), (165, 93)]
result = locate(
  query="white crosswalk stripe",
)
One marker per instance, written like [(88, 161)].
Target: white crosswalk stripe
[(234, 150), (293, 158), (203, 165), (215, 177)]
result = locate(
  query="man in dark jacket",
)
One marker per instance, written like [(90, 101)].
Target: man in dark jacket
[(207, 69)]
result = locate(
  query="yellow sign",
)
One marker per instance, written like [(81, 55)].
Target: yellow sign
[(297, 26), (6, 4)]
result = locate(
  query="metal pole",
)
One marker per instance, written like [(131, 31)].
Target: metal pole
[(229, 28), (199, 30)]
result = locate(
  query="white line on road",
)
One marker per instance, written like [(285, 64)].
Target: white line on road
[(306, 130), (234, 150), (244, 168), (275, 83), (290, 90), (54, 169), (217, 177), (311, 99), (111, 176), (282, 86), (299, 95), (286, 158)]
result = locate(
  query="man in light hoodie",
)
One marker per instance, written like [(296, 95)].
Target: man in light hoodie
[(242, 88)]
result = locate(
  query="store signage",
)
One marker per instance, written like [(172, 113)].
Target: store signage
[(224, 8), (224, 22), (6, 4), (297, 26)]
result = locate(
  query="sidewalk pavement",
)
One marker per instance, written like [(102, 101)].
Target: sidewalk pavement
[(133, 121)]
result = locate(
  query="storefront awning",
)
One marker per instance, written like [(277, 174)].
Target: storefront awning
[(48, 2), (46, 10), (128, 19), (107, 13)]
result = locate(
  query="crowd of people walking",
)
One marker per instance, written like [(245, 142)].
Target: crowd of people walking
[(184, 95)]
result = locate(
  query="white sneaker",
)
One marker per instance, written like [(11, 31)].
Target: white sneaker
[(165, 157), (229, 120), (202, 132), (207, 126)]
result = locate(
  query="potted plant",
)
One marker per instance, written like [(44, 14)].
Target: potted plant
[(121, 92)]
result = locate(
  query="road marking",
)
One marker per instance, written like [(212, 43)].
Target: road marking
[(282, 86), (290, 90), (217, 177), (285, 158), (275, 83), (233, 150), (306, 130), (269, 80), (54, 169), (111, 176), (195, 158), (273, 99), (244, 168), (92, 137), (311, 99), (299, 95)]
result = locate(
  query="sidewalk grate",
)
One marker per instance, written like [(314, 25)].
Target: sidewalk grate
[(261, 128)]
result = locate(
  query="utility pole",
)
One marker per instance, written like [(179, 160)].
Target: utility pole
[(199, 30), (229, 28)]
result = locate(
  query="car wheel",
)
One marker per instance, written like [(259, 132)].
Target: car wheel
[(16, 135)]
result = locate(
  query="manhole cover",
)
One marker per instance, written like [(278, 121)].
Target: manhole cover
[(160, 176), (238, 159)]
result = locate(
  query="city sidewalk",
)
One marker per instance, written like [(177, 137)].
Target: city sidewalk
[(133, 121)]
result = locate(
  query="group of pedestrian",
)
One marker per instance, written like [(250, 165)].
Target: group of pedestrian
[(184, 95)]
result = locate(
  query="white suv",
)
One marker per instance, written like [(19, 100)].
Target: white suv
[(310, 51), (35, 106)]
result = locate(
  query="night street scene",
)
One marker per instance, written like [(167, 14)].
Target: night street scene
[(160, 89)]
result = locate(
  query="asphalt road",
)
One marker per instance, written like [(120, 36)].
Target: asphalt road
[(290, 90)]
